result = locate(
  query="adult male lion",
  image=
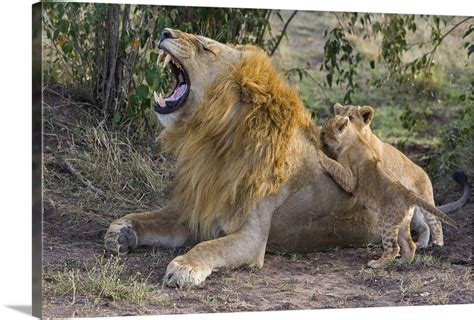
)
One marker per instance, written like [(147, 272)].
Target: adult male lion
[(248, 177)]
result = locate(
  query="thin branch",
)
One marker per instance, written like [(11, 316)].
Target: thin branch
[(339, 21), (433, 51), (262, 32), (308, 75), (283, 32), (82, 181)]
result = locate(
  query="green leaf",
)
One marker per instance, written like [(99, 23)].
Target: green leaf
[(437, 21), (64, 26), (469, 31), (142, 91), (329, 79), (470, 50), (153, 57), (116, 118), (150, 77), (133, 100)]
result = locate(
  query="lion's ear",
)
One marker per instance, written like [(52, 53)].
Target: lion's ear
[(339, 109), (251, 91), (367, 114), (245, 95)]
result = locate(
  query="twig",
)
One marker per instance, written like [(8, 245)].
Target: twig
[(283, 32), (82, 181), (339, 21), (262, 32), (432, 52), (307, 74), (73, 289)]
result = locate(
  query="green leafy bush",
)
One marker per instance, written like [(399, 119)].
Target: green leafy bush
[(108, 50)]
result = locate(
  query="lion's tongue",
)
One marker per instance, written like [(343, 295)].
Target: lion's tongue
[(178, 93)]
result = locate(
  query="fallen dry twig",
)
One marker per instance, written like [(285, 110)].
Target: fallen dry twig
[(82, 181)]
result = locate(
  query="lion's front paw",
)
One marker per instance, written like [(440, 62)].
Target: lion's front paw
[(120, 237), (181, 272)]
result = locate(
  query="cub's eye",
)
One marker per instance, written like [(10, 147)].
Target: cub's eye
[(351, 117)]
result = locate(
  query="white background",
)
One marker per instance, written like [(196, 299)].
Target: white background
[(15, 148)]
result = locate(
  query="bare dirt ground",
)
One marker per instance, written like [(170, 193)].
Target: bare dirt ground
[(77, 281)]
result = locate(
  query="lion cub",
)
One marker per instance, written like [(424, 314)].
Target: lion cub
[(359, 170), (398, 165)]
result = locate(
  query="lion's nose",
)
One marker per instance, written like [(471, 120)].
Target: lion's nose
[(166, 34)]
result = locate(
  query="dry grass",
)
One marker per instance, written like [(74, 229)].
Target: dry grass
[(126, 166), (102, 281)]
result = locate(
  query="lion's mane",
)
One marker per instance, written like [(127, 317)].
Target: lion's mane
[(234, 150)]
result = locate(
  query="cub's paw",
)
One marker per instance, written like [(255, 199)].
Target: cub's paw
[(378, 264), (120, 237), (438, 241), (182, 272)]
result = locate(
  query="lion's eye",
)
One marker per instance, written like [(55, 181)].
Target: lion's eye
[(351, 117), (205, 47)]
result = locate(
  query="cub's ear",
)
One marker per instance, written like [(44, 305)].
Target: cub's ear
[(339, 109), (367, 114), (341, 124)]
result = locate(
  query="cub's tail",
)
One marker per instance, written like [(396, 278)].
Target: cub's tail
[(425, 205), (462, 180)]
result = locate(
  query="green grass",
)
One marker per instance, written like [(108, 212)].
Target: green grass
[(287, 287)]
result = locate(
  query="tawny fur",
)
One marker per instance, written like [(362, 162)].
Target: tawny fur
[(233, 151), (358, 170), (243, 139), (398, 165)]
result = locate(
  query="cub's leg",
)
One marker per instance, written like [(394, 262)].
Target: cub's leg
[(405, 240), (391, 248), (243, 247), (422, 228), (436, 228), (154, 228)]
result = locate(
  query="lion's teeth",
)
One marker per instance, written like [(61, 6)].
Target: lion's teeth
[(167, 60), (161, 55), (161, 101)]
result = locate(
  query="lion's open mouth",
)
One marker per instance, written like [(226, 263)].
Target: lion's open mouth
[(177, 97)]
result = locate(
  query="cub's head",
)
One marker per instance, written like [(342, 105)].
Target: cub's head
[(360, 116), (196, 62), (336, 132)]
